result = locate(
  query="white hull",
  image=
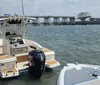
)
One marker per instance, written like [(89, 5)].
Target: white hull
[(15, 50), (79, 74), (9, 76), (50, 58)]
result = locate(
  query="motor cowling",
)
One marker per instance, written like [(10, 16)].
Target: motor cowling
[(37, 63)]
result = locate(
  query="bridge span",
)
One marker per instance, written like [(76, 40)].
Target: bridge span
[(57, 20)]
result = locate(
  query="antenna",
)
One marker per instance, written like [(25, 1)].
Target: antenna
[(22, 7)]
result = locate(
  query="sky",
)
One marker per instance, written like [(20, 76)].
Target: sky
[(51, 7)]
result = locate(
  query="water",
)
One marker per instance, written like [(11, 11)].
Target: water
[(71, 44)]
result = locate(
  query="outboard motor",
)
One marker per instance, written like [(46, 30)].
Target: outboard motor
[(37, 63)]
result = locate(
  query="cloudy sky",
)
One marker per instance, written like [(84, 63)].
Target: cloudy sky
[(51, 7)]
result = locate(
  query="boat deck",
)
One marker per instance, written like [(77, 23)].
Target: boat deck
[(79, 74), (93, 82), (46, 50), (5, 57), (75, 76), (10, 70), (51, 62)]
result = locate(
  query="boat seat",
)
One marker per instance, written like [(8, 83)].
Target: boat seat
[(1, 46), (23, 65), (22, 59), (5, 57)]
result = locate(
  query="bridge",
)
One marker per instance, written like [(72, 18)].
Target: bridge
[(62, 20), (57, 20)]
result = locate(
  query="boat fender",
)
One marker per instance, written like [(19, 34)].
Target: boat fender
[(37, 63)]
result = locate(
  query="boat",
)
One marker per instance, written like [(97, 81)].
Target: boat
[(79, 74), (18, 54)]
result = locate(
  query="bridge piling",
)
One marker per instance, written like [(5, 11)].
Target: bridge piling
[(46, 21), (36, 22), (72, 20), (56, 21), (64, 21)]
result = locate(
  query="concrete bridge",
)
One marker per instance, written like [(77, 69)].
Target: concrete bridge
[(57, 20)]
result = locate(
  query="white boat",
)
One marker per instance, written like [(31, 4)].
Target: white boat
[(79, 74), (15, 50)]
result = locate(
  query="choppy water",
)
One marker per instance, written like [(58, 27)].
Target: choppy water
[(71, 44)]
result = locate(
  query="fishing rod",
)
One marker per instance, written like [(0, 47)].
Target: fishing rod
[(22, 7)]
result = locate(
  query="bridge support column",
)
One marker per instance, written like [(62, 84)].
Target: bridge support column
[(56, 21), (36, 22), (46, 21), (64, 21), (72, 20)]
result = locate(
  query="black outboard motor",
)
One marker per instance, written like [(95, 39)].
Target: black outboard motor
[(37, 61)]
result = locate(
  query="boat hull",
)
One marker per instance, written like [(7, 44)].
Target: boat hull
[(79, 74), (23, 59)]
